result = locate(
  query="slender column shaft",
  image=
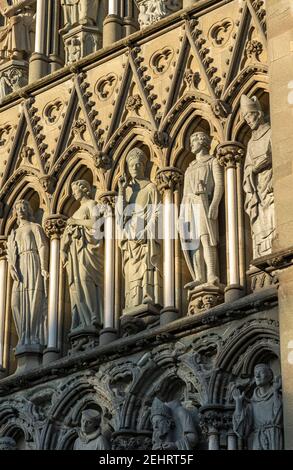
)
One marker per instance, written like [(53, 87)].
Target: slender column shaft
[(40, 42), (53, 294), (232, 218), (169, 250), (3, 293), (232, 441), (214, 441), (113, 7), (109, 284)]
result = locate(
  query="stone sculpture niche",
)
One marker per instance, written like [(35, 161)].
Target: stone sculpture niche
[(27, 254), (198, 224), (80, 257), (259, 419), (141, 251), (90, 435), (173, 426)]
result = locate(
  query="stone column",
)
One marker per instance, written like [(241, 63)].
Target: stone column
[(39, 60), (3, 294), (280, 43), (54, 227), (54, 38), (109, 333), (232, 440), (112, 30), (167, 180), (230, 155)]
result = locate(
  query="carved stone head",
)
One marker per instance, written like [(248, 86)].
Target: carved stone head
[(162, 420), (251, 111), (23, 210), (263, 375), (90, 421), (136, 162), (80, 189), (200, 141)]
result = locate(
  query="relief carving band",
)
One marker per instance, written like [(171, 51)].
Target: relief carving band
[(90, 435), (198, 223), (258, 178), (141, 251), (173, 426), (81, 258), (259, 420), (80, 12), (27, 254)]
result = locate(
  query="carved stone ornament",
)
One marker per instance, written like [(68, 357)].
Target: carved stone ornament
[(55, 226), (105, 86), (80, 42), (133, 103), (151, 11), (90, 435), (161, 60), (192, 79), (79, 128), (220, 32), (12, 78), (52, 112), (5, 134), (168, 179), (202, 298), (253, 50)]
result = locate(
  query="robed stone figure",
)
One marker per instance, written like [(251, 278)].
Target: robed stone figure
[(81, 258), (259, 419), (138, 205), (258, 178), (27, 254), (198, 222), (90, 435)]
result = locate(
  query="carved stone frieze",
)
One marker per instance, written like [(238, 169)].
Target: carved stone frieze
[(169, 178)]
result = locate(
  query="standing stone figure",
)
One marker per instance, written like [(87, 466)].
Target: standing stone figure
[(258, 178), (198, 224), (259, 420), (90, 434), (17, 37), (80, 12), (173, 427), (80, 257), (141, 251), (27, 253)]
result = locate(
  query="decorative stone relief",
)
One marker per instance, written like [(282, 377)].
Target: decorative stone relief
[(259, 419), (5, 134), (105, 86), (198, 223), (192, 79), (161, 60), (138, 201), (52, 112), (253, 50), (258, 178), (220, 32), (78, 129), (79, 253), (12, 78), (151, 11), (80, 42), (27, 254), (90, 435), (173, 426)]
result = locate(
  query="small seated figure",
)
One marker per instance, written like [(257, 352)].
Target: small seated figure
[(90, 433), (173, 426), (7, 443)]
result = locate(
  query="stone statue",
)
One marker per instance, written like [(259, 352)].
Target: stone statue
[(258, 178), (198, 223), (151, 11), (79, 251), (80, 12), (259, 420), (27, 254), (90, 435), (173, 426), (7, 443), (141, 251), (17, 36)]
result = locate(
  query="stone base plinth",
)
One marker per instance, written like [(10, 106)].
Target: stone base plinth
[(13, 76), (107, 336), (80, 42), (168, 314), (82, 339), (138, 318), (28, 357), (203, 297), (51, 355), (260, 279), (234, 292)]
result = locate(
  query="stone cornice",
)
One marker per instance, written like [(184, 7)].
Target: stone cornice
[(139, 37), (216, 316), (280, 259)]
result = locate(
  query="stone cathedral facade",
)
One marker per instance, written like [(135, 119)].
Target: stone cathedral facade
[(146, 230)]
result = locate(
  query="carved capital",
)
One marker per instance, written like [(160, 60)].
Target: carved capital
[(230, 154), (214, 419), (55, 225), (3, 247), (108, 200), (169, 178)]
